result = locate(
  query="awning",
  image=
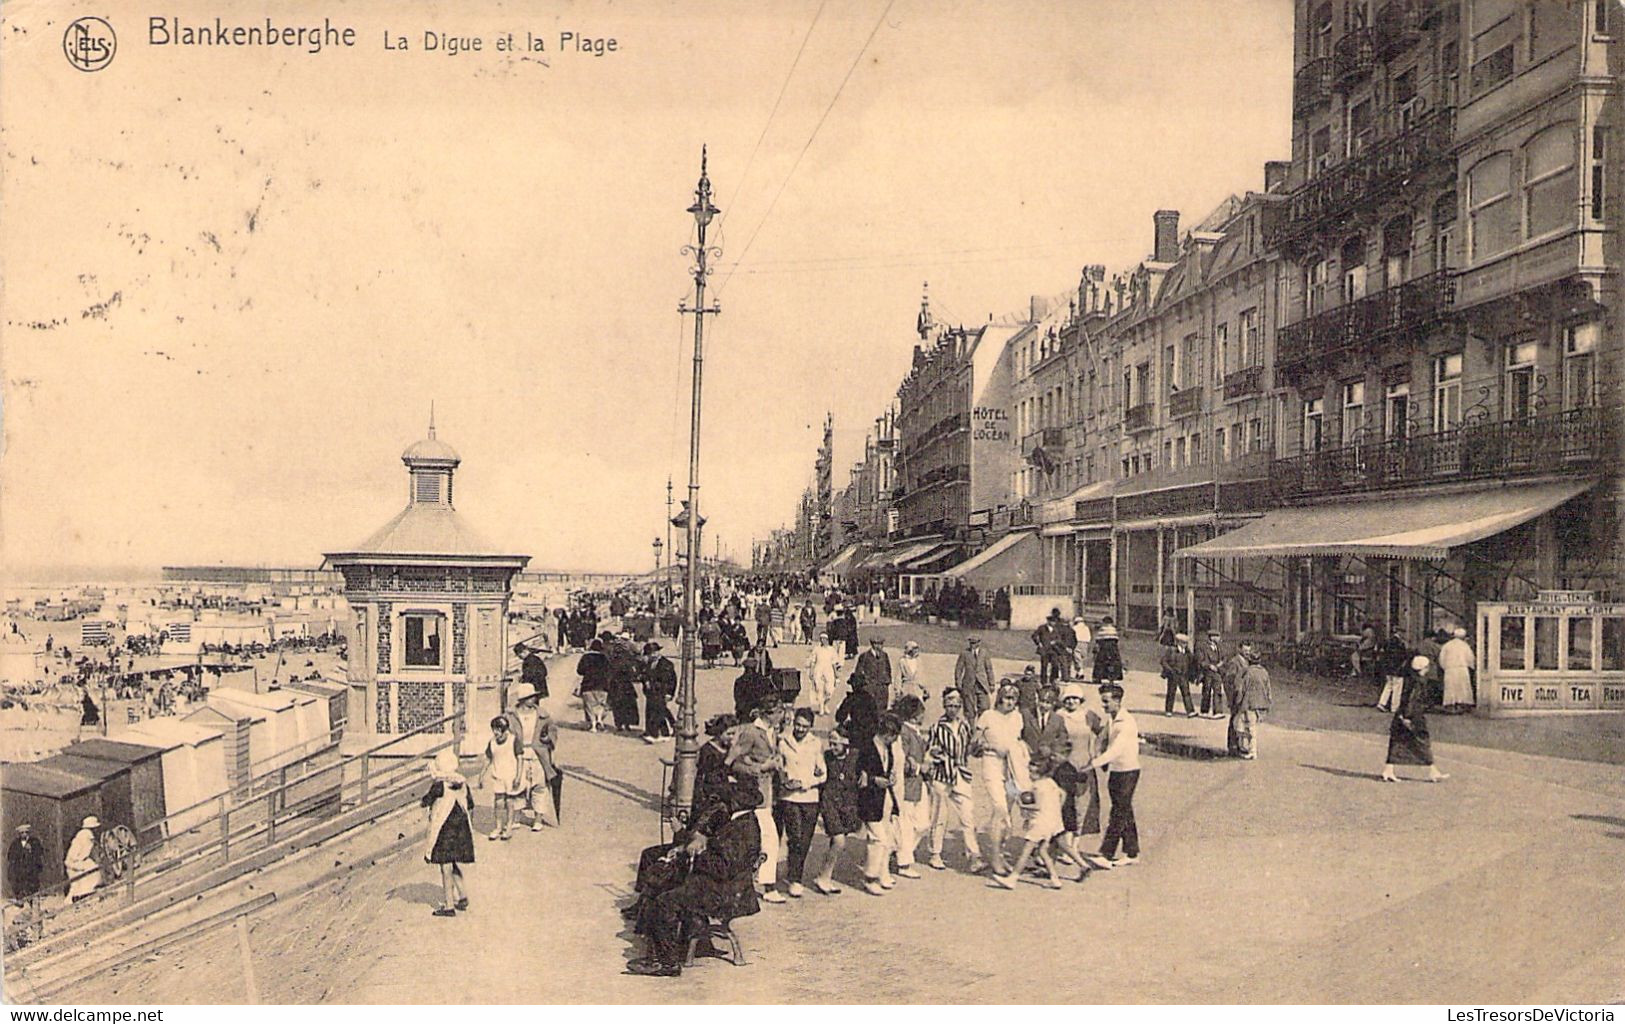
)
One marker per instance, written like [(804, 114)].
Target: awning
[(933, 559), (894, 557), (1424, 526), (1012, 559), (839, 565)]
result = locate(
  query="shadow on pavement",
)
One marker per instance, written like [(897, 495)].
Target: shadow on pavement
[(1603, 819), (1182, 746), (644, 798), (1344, 772), (422, 893)]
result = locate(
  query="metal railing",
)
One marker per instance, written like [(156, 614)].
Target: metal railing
[(1044, 437), (276, 806), (1572, 440), (1312, 85), (1357, 326), (1243, 382), (1395, 153), (1138, 417), (1185, 402), (1354, 56)]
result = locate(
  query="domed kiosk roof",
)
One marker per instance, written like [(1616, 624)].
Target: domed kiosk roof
[(430, 449)]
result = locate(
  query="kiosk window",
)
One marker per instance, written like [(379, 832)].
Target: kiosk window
[(1613, 644), (1513, 655), (1546, 642), (1580, 644), (423, 632)]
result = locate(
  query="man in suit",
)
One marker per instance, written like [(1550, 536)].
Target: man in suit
[(1209, 658), (873, 673), (755, 754), (1042, 728), (973, 677), (1047, 643)]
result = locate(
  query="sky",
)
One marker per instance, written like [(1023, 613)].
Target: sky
[(233, 279)]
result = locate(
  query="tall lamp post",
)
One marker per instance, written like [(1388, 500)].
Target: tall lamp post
[(660, 578), (688, 725)]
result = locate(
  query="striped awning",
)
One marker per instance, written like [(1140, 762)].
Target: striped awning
[(1418, 526)]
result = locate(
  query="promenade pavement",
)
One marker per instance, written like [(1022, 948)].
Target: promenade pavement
[(1293, 878)]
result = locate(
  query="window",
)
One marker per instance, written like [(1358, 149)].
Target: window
[(1492, 219), (1128, 390), (1356, 15), (1125, 466), (1495, 32), (1220, 453), (1397, 410), (1255, 434), (1315, 287), (1142, 374), (1196, 449), (1167, 454), (1353, 411), (1359, 128), (1579, 367), (1320, 32), (1613, 644), (1492, 70), (1444, 232), (1179, 453), (1546, 627), (1514, 644), (1237, 448), (1404, 87), (1550, 28), (1169, 381), (1191, 362), (1599, 173), (1599, 17), (423, 635), (1396, 251), (1520, 380), (1551, 186), (1221, 351), (1313, 428), (1251, 354), (1353, 260), (1447, 391), (1580, 639), (1320, 149)]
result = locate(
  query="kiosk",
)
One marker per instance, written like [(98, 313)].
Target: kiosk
[(1563, 651)]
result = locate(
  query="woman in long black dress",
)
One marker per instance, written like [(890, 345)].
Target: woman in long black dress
[(1108, 659), (450, 841), (1408, 739)]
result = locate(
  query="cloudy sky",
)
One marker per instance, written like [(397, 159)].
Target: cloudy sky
[(235, 278)]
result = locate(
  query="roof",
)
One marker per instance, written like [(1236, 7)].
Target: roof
[(172, 732), (85, 767), (40, 780), (428, 530), (113, 750), (1058, 509), (1421, 526), (430, 449)]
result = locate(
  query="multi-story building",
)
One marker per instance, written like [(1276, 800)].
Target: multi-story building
[(1449, 360)]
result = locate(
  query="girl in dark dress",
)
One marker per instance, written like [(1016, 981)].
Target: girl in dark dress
[(837, 805), (450, 841), (1408, 739)]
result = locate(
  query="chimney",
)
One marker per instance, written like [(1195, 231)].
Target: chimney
[(1275, 173), (1167, 236), (1038, 308)]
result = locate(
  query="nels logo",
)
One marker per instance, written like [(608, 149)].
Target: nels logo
[(89, 43)]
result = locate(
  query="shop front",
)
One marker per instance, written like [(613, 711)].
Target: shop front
[(1564, 651)]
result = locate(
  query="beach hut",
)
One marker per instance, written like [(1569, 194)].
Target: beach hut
[(334, 695), (194, 762), (236, 729), (52, 801), (145, 762), (278, 742)]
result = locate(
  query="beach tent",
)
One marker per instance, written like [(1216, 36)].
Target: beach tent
[(194, 767)]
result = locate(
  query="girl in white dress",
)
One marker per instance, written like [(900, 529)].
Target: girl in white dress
[(503, 774), (1044, 823), (1004, 765)]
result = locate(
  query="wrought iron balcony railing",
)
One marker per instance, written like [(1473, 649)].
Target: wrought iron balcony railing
[(1574, 440), (1138, 417), (1398, 24), (1361, 325), (1187, 402), (1046, 437), (1312, 85), (1354, 56), (1388, 158), (1243, 382)]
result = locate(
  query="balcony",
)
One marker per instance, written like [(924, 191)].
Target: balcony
[(1386, 160), (1049, 438), (1398, 24), (1312, 86), (1354, 56), (1187, 402), (1576, 440), (1243, 382), (1138, 417), (1359, 327)]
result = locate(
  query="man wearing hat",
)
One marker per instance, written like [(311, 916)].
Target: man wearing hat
[(1048, 645), (532, 669), (973, 676), (1177, 663), (1209, 658), (84, 875), (25, 864), (659, 686), (755, 755), (873, 673)]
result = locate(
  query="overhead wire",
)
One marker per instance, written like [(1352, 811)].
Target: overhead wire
[(808, 144)]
